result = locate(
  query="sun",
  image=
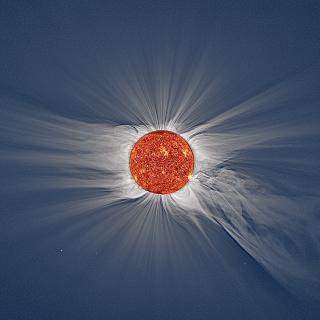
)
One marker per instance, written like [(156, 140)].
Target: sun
[(161, 162)]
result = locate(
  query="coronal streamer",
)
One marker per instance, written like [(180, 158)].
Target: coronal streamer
[(236, 182)]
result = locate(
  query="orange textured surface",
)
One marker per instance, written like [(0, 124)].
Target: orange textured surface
[(161, 162)]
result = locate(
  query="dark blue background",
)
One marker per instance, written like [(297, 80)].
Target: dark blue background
[(47, 49)]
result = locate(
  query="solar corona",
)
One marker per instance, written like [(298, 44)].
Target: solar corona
[(161, 162), (165, 159)]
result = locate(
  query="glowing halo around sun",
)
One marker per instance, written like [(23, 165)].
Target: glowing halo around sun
[(227, 176), (161, 162)]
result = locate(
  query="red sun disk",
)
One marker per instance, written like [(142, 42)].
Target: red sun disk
[(161, 162)]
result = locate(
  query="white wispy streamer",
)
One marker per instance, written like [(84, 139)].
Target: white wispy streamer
[(243, 180)]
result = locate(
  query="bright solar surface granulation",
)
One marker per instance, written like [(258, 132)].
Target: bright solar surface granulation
[(161, 162)]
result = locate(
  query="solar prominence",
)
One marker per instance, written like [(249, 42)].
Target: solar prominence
[(161, 162)]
